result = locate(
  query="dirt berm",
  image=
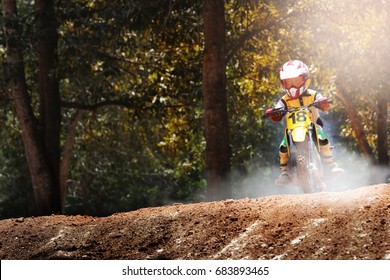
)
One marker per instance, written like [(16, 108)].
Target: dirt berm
[(354, 224)]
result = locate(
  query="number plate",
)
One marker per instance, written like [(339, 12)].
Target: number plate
[(298, 119)]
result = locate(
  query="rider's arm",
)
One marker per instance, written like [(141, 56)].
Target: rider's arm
[(277, 113), (281, 104), (324, 104)]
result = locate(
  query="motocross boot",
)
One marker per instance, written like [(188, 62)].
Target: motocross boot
[(283, 178), (330, 164)]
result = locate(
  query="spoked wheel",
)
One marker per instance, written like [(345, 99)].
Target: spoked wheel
[(309, 171), (305, 172), (316, 172), (304, 176), (316, 183)]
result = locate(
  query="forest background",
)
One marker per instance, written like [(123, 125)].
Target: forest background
[(110, 106)]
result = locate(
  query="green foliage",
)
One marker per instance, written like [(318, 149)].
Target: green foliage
[(133, 162), (15, 186), (253, 86), (350, 50), (136, 68), (153, 145)]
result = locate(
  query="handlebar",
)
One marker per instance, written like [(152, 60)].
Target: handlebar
[(274, 112), (283, 111)]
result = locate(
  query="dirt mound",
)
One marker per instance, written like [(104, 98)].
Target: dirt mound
[(334, 225)]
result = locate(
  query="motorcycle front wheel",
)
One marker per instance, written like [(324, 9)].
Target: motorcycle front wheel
[(303, 176), (308, 171)]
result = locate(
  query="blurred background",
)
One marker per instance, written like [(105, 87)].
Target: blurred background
[(132, 112)]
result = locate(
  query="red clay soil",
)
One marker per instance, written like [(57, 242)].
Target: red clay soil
[(354, 224)]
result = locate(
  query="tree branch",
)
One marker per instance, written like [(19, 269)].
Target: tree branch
[(121, 103), (251, 33)]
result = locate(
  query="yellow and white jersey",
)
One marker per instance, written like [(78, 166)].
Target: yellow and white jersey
[(309, 96)]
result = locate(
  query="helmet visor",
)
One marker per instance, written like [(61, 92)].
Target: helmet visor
[(293, 82)]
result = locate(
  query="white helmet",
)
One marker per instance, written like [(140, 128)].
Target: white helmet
[(294, 76)]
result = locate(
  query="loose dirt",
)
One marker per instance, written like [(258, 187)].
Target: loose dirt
[(354, 224)]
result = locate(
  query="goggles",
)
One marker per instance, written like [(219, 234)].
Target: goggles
[(293, 82)]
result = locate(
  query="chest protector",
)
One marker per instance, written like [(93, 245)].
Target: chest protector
[(304, 99)]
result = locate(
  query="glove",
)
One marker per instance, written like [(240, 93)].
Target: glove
[(275, 116), (324, 104)]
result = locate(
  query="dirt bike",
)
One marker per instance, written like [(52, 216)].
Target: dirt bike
[(304, 166)]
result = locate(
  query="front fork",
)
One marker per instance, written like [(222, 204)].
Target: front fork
[(292, 150), (311, 166)]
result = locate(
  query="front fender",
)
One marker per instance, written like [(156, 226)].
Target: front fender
[(299, 134)]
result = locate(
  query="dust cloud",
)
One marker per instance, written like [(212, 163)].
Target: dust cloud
[(358, 172)]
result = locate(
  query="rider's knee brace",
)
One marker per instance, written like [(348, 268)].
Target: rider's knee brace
[(324, 142), (283, 157), (326, 151), (283, 149)]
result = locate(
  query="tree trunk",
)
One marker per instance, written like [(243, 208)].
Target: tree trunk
[(358, 129), (49, 96), (383, 145), (39, 171), (355, 123), (215, 101), (67, 154)]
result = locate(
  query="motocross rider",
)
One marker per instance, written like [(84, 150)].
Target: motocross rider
[(295, 78)]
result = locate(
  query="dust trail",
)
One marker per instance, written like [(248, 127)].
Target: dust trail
[(261, 183), (358, 172)]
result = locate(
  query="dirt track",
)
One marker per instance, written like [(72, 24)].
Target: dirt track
[(353, 224)]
